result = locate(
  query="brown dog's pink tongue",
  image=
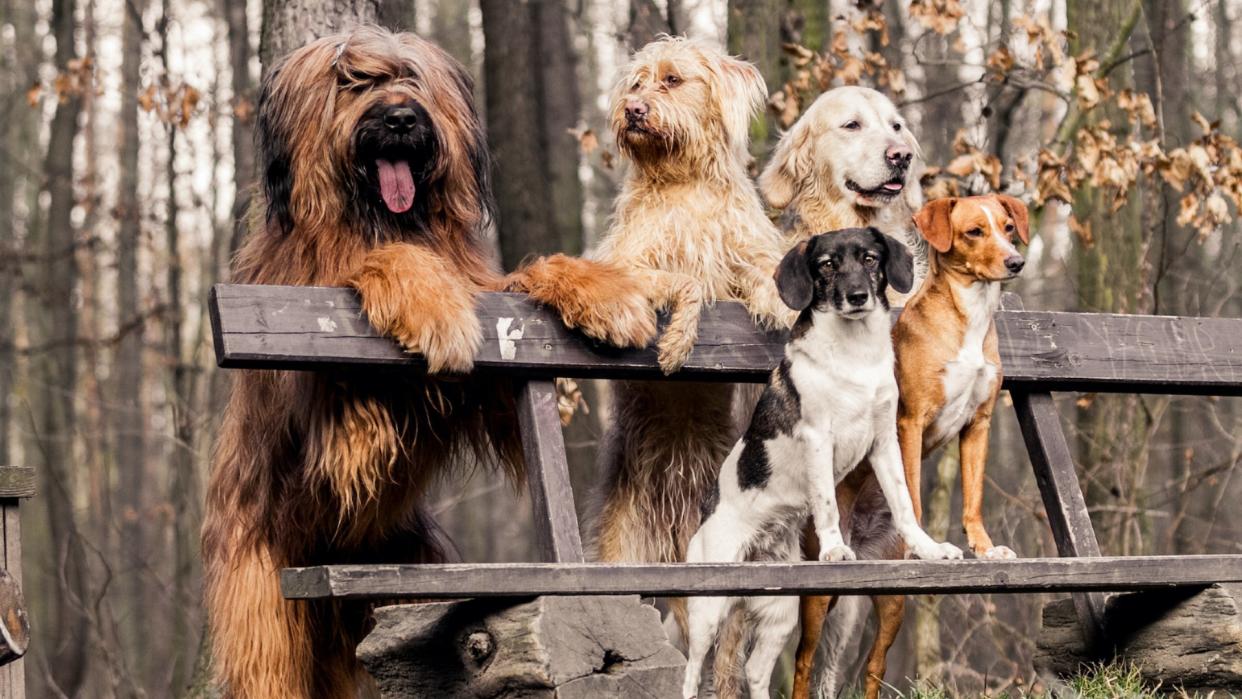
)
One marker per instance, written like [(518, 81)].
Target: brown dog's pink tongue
[(396, 185)]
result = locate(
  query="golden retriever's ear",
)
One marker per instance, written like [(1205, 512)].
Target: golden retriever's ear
[(743, 93), (1017, 211), (790, 165), (934, 224)]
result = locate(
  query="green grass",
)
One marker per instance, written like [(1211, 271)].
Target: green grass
[(1104, 681)]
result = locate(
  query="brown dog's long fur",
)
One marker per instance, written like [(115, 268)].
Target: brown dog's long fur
[(331, 467)]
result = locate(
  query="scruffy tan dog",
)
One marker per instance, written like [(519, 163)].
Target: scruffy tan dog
[(688, 217)]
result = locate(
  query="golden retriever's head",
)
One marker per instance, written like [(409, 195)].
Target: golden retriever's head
[(681, 101), (852, 145)]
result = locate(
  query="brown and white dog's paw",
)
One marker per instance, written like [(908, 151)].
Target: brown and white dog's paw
[(414, 297), (600, 299), (997, 553)]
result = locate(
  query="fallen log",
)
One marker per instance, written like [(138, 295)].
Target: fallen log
[(1179, 639), (548, 647)]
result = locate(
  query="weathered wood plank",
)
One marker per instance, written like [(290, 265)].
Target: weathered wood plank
[(679, 579), (314, 327), (551, 496), (13, 675), (17, 482), (1063, 500)]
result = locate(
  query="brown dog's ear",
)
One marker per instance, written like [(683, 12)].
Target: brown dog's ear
[(743, 94), (1017, 211), (934, 224), (793, 278)]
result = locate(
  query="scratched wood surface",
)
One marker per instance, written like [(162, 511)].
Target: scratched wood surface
[(315, 327), (855, 577)]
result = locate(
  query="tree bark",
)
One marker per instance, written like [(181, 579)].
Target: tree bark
[(754, 33), (646, 23), (242, 81), (288, 24), (129, 418), (54, 335)]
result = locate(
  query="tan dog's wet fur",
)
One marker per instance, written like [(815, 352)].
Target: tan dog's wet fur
[(948, 376)]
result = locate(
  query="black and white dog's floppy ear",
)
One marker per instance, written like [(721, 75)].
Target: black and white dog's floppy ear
[(793, 278), (898, 262)]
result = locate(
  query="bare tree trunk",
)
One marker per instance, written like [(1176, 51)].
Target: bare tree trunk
[(647, 22), (450, 28), (238, 23), (514, 126), (288, 24), (54, 334), (10, 93), (754, 33), (398, 15), (1113, 275), (129, 416)]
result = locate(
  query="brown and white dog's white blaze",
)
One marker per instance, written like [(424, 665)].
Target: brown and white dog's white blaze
[(948, 363)]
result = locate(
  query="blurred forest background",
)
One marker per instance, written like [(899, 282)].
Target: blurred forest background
[(125, 162)]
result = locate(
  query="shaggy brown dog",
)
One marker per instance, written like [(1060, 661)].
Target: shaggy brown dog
[(376, 176), (689, 218)]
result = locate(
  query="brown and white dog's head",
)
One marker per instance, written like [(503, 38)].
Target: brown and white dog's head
[(685, 100), (975, 236), (851, 145)]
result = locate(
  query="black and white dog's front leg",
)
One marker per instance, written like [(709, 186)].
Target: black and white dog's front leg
[(886, 462), (822, 479)]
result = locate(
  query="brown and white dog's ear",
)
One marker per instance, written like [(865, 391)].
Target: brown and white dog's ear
[(793, 278), (790, 165), (898, 262), (934, 223), (744, 95), (1017, 211)]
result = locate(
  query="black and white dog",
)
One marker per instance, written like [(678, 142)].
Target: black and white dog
[(829, 405)]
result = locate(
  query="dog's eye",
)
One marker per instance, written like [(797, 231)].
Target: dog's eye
[(896, 127), (672, 80), (851, 126), (636, 86), (1009, 228), (870, 260), (975, 232)]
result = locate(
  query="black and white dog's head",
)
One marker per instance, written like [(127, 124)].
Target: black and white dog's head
[(844, 272)]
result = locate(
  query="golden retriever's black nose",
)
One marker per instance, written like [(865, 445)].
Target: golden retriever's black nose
[(1015, 263), (635, 111), (400, 119), (899, 156)]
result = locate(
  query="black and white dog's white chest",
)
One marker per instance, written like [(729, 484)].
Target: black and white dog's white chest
[(834, 387)]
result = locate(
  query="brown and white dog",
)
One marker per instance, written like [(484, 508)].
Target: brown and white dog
[(948, 364), (948, 375)]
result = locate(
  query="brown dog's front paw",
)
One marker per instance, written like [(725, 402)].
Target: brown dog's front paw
[(597, 298), (674, 349), (412, 296)]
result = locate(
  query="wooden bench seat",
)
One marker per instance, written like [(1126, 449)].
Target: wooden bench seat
[(269, 327)]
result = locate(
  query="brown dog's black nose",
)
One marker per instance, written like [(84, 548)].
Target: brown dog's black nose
[(635, 111), (1015, 263), (400, 119), (899, 156)]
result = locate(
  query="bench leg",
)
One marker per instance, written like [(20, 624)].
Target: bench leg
[(1063, 500), (12, 675), (552, 498)]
